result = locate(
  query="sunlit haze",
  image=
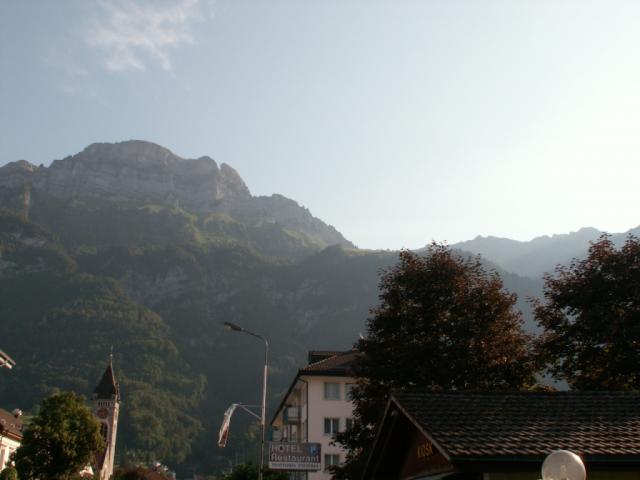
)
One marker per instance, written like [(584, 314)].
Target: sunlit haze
[(397, 122)]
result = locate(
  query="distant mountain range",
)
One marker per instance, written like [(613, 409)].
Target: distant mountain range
[(130, 245), (540, 255)]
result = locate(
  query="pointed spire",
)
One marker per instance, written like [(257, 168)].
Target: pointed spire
[(108, 386)]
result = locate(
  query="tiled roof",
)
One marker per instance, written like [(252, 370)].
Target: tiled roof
[(317, 355), (498, 424), (341, 363), (10, 425)]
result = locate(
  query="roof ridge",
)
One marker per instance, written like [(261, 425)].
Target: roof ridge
[(324, 360), (428, 390)]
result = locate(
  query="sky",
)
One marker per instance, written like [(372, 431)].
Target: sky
[(398, 122)]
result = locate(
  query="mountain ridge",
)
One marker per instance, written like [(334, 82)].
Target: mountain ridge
[(541, 254), (137, 174)]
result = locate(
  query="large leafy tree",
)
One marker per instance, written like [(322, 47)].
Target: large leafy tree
[(591, 318), (59, 441), (443, 322)]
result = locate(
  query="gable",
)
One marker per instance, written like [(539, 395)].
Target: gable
[(403, 452)]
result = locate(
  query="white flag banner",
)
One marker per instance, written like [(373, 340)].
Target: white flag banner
[(226, 423)]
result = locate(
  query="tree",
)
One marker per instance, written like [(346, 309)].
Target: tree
[(9, 473), (591, 318), (59, 441), (131, 473), (443, 322), (249, 471)]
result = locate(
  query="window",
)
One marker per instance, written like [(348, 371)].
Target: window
[(349, 423), (347, 390), (331, 426), (331, 459), (331, 391)]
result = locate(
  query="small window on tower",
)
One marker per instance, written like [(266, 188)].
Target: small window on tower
[(104, 429)]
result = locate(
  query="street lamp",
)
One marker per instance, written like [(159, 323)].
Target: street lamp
[(237, 328), (563, 465)]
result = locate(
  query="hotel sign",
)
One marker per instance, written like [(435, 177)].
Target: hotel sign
[(294, 456)]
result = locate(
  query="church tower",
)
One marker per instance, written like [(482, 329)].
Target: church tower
[(106, 406)]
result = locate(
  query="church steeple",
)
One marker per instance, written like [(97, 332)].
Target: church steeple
[(107, 389), (106, 406)]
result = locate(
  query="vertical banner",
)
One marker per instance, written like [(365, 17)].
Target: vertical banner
[(223, 434)]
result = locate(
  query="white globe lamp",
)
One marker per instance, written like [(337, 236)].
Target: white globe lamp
[(563, 465)]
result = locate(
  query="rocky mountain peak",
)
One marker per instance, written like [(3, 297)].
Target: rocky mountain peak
[(20, 166), (136, 173), (132, 171), (130, 152)]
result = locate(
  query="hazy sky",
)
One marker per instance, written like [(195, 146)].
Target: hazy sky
[(398, 122)]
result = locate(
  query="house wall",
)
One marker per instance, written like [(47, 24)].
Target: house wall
[(320, 408), (7, 447)]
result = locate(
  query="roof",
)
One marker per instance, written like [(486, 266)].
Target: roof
[(10, 425), (338, 364), (464, 424), (108, 387), (317, 355)]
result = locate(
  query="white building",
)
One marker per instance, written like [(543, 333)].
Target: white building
[(10, 436), (317, 406)]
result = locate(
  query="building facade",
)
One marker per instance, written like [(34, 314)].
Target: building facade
[(317, 406), (106, 407), (10, 435)]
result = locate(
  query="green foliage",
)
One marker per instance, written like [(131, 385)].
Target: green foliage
[(130, 473), (60, 440), (443, 322), (249, 471), (9, 473), (135, 225), (591, 318), (114, 224), (83, 316)]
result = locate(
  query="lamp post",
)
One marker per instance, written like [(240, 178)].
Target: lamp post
[(237, 328), (563, 465)]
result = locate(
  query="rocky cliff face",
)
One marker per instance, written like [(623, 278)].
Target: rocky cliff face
[(141, 173), (132, 171)]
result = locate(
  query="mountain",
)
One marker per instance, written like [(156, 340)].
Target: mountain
[(131, 182), (131, 246), (132, 171), (540, 255)]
